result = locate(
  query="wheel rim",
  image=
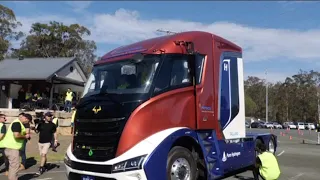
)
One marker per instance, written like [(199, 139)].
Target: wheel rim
[(271, 146), (180, 170)]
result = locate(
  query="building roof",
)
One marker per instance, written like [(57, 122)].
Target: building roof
[(31, 68)]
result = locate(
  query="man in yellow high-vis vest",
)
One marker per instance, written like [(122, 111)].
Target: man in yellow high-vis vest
[(3, 130), (267, 166), (13, 142), (68, 100)]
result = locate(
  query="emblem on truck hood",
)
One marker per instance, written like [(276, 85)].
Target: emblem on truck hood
[(96, 110), (90, 153)]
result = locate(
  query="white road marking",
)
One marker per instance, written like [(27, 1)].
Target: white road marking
[(281, 153), (296, 176)]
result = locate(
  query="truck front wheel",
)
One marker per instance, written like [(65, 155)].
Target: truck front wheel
[(181, 164)]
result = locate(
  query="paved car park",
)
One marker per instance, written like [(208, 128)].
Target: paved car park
[(297, 161)]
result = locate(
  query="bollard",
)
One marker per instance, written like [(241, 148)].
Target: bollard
[(303, 141), (318, 137)]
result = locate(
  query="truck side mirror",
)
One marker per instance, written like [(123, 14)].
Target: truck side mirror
[(137, 57)]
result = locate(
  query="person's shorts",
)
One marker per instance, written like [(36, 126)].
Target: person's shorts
[(44, 148)]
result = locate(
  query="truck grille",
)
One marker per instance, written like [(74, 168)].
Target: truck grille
[(97, 139)]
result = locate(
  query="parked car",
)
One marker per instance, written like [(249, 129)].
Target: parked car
[(300, 125), (277, 125), (289, 125), (269, 125), (257, 125), (310, 126), (247, 125)]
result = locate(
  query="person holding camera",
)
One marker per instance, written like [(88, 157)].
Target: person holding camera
[(47, 131)]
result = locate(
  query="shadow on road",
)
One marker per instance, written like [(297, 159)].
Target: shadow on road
[(33, 175), (30, 162), (28, 176)]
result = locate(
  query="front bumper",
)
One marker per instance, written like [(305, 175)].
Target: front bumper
[(74, 174)]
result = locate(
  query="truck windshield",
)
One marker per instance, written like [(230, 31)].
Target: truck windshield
[(122, 77)]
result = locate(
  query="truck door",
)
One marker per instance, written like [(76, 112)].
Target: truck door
[(231, 96)]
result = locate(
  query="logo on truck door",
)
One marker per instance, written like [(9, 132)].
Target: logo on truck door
[(230, 155), (96, 110)]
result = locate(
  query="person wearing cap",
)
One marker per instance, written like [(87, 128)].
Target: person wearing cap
[(3, 130), (23, 149), (47, 131), (267, 166), (13, 142)]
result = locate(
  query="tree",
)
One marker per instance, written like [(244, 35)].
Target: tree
[(58, 40), (295, 99), (8, 25)]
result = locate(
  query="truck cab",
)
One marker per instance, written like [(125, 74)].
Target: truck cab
[(171, 107)]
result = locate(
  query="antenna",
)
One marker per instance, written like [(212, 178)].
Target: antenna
[(164, 31)]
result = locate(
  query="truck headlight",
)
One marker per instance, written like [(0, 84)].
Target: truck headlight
[(67, 160), (130, 164)]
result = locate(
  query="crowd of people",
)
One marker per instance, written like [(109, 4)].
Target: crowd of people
[(13, 141), (36, 98)]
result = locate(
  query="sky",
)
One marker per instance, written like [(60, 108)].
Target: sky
[(280, 37)]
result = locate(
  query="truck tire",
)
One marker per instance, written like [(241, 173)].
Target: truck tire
[(271, 145), (258, 141), (181, 164)]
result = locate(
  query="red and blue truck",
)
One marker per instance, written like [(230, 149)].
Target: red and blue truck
[(170, 107)]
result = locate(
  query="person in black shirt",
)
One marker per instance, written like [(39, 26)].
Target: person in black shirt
[(47, 131), (3, 132)]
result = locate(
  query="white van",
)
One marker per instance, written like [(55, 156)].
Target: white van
[(300, 125), (310, 126), (289, 125)]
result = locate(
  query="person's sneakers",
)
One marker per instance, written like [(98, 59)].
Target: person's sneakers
[(41, 171), (22, 167)]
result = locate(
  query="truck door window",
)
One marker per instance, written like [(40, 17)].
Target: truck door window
[(199, 67), (229, 95), (176, 73)]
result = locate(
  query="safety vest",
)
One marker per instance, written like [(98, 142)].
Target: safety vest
[(69, 96), (10, 141), (55, 120), (1, 141), (28, 95), (269, 169), (73, 116)]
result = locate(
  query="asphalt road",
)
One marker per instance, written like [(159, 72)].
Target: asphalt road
[(297, 161)]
